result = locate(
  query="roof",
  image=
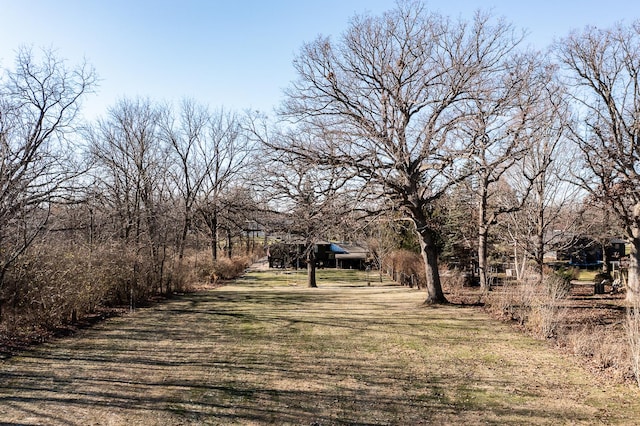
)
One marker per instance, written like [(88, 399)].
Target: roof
[(351, 256), (350, 251), (337, 249)]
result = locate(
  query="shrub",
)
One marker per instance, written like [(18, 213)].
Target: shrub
[(567, 274), (512, 301), (537, 306), (407, 268), (632, 327), (453, 281), (602, 346), (55, 283), (229, 268), (547, 312)]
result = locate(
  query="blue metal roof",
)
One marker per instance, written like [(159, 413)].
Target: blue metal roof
[(337, 249)]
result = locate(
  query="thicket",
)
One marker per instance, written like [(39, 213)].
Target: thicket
[(58, 286)]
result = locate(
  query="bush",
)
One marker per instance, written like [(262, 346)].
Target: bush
[(538, 307), (568, 274), (228, 269), (453, 281), (546, 311), (407, 268), (512, 302), (632, 327), (54, 283)]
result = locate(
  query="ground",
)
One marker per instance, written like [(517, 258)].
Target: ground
[(590, 327), (268, 350)]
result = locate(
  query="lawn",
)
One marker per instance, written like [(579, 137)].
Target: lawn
[(267, 350)]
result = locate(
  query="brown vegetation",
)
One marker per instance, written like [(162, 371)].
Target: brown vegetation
[(562, 311), (55, 289)]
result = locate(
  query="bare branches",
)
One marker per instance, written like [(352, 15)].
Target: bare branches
[(603, 67), (392, 91), (39, 101)]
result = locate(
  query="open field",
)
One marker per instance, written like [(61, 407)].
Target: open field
[(267, 350)]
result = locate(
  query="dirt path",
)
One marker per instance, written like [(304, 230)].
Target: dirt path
[(268, 351)]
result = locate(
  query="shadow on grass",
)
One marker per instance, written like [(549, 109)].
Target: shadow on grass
[(250, 354)]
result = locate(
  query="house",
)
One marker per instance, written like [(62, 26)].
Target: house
[(352, 257), (586, 252), (327, 255)]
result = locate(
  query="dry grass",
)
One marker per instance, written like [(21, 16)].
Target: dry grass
[(267, 350)]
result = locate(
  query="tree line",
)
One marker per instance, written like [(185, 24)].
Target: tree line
[(449, 128), (106, 212)]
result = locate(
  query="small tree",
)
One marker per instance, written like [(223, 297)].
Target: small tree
[(313, 198)]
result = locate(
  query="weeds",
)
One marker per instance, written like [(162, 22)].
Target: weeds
[(537, 306)]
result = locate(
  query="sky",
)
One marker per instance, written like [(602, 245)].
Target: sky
[(235, 54)]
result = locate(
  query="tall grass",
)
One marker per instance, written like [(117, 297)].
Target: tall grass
[(536, 305)]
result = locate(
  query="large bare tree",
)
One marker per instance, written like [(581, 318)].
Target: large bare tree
[(39, 105), (603, 67), (393, 88)]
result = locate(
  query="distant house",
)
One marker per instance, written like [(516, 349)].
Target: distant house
[(352, 257), (586, 252), (327, 255)]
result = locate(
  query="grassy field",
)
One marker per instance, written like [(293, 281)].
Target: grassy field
[(267, 350)]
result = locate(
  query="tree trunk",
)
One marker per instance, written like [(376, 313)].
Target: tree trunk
[(520, 267), (633, 280), (311, 269), (540, 244), (482, 258), (430, 256), (483, 232), (214, 236), (606, 269), (183, 237)]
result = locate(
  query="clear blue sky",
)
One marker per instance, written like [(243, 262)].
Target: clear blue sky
[(234, 53)]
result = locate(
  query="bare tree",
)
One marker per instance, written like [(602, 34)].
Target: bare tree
[(193, 160), (603, 67), (313, 199), (39, 104), (393, 88), (131, 167), (226, 151), (509, 113)]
